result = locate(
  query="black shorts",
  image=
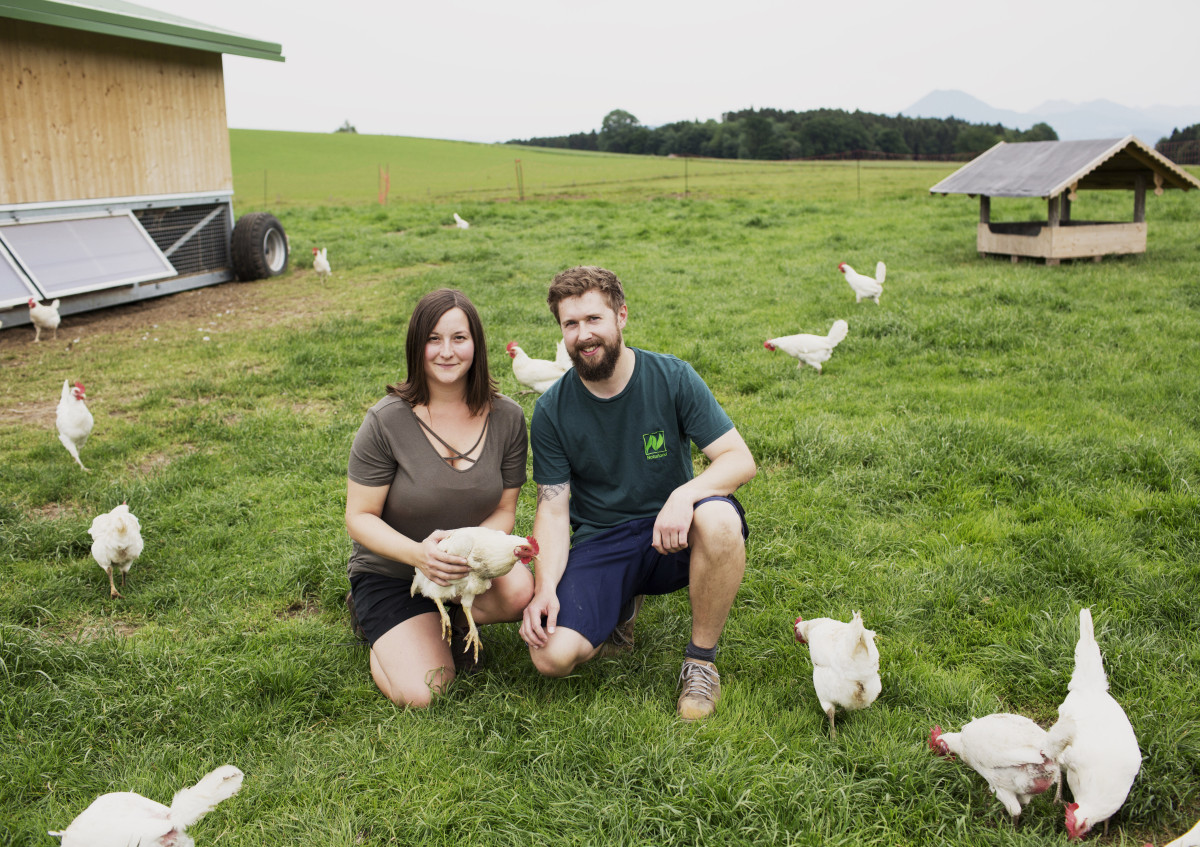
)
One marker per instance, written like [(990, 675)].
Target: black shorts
[(382, 602)]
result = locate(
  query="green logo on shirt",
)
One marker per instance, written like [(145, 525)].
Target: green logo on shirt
[(654, 442)]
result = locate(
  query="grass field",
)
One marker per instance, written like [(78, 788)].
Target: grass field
[(990, 449)]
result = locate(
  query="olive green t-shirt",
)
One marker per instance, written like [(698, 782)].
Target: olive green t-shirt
[(424, 492)]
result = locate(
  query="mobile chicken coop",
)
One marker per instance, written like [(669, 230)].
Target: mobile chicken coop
[(1055, 171), (115, 177)]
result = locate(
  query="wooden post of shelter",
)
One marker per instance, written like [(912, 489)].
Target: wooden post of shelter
[(985, 209), (1139, 199)]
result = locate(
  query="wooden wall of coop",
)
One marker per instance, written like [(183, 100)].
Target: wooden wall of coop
[(85, 115)]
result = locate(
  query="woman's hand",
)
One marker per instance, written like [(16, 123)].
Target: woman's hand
[(437, 565)]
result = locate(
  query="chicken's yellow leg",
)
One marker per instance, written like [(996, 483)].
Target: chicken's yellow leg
[(472, 633), (445, 619), (112, 587)]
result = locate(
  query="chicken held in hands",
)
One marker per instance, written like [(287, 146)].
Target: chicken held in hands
[(845, 663), (125, 818), (535, 374), (73, 420), (865, 288), (1007, 751), (43, 317), (490, 553), (811, 350)]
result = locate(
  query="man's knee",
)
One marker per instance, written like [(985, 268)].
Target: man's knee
[(718, 524), (562, 654)]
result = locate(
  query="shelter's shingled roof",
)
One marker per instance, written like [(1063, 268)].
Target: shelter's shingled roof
[(127, 20), (1047, 168)]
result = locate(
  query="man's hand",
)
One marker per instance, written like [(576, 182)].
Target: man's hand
[(672, 525), (533, 631)]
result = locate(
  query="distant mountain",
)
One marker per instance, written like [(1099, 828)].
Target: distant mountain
[(1072, 121)]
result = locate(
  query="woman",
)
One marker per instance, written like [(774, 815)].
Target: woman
[(442, 450)]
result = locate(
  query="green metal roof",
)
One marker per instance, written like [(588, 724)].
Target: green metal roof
[(126, 20)]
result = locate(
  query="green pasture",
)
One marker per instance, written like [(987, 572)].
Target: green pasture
[(283, 169), (993, 447)]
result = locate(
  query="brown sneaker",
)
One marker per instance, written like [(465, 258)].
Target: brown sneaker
[(621, 639), (355, 626), (701, 689)]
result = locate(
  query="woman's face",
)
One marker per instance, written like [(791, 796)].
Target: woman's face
[(449, 350)]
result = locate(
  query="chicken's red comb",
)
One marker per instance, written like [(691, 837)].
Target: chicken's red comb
[(935, 735), (768, 345), (510, 345), (79, 385), (316, 250), (841, 266), (533, 543)]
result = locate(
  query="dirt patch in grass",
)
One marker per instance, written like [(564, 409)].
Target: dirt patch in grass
[(50, 511), (40, 414), (107, 629), (306, 608), (295, 295)]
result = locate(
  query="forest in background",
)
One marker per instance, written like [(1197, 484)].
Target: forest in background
[(821, 133), (778, 134)]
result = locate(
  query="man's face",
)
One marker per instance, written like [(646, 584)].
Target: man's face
[(592, 332)]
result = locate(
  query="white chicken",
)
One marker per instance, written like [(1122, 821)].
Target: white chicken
[(535, 374), (127, 819), (1007, 751), (1191, 838), (845, 663), (811, 350), (460, 223), (561, 357), (116, 541), (864, 287), (73, 420), (43, 317), (321, 262), (1093, 740), (490, 553)]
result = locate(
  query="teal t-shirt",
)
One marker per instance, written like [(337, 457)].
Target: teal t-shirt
[(624, 455)]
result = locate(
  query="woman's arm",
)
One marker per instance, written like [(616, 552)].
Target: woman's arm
[(364, 522), (505, 516)]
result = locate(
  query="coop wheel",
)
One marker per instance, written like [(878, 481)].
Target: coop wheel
[(260, 247)]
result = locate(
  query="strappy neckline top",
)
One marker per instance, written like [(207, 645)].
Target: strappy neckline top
[(455, 455)]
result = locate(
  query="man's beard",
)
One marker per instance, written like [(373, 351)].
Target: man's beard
[(599, 368)]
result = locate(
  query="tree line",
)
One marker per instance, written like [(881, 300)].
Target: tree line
[(1182, 146), (778, 134)]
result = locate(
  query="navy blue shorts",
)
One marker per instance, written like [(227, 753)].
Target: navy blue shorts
[(382, 602), (608, 569)]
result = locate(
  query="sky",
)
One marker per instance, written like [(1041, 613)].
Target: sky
[(487, 71)]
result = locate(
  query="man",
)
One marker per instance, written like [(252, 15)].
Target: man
[(612, 461)]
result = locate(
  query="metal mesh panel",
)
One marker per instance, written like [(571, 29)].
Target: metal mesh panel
[(206, 249)]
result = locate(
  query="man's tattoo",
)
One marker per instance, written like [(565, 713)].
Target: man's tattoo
[(549, 492)]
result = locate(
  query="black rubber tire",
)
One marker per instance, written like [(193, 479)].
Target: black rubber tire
[(259, 248)]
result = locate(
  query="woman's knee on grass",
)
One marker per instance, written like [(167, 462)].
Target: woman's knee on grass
[(565, 651)]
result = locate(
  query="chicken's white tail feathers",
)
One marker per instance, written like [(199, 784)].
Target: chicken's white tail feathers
[(54, 305), (880, 272), (190, 804), (859, 633), (66, 392), (838, 331), (1089, 664), (1059, 737)]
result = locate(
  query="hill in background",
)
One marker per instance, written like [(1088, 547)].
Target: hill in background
[(1071, 121)]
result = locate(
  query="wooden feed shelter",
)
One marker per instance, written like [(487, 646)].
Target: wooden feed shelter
[(1055, 171), (115, 178)]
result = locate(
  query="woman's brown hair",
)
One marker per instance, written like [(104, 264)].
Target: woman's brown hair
[(481, 388)]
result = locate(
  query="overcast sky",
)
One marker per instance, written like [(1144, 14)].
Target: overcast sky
[(488, 70)]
